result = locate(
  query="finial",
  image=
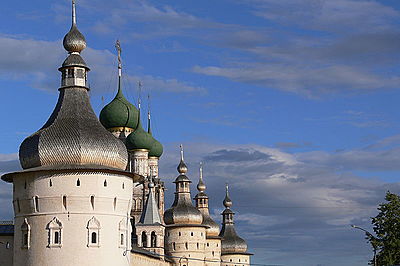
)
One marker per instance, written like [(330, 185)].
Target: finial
[(73, 13), (148, 115), (140, 94), (201, 186), (74, 41), (227, 201), (119, 50), (182, 168)]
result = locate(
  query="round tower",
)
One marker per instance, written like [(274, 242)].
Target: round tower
[(213, 240), (120, 117), (185, 237), (233, 247), (139, 144), (73, 197)]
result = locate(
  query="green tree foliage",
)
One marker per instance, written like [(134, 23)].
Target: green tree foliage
[(387, 229)]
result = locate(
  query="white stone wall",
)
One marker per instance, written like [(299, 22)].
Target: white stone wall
[(142, 260), (235, 260), (213, 251), (159, 232), (186, 242), (73, 199), (6, 254)]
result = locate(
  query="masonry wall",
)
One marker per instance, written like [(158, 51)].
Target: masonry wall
[(235, 260), (138, 259), (75, 204)]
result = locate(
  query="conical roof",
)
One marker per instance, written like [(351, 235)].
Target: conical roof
[(73, 136)]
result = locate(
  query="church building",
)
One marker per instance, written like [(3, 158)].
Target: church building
[(89, 192)]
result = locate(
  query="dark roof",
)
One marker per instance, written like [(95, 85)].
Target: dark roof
[(6, 228)]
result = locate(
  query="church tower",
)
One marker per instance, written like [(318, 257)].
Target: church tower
[(185, 236), (120, 117), (234, 248), (150, 229), (213, 240), (72, 199)]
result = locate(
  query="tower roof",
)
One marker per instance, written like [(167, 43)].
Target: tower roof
[(139, 139), (182, 211), (119, 112), (231, 243), (150, 214), (156, 148), (74, 41), (73, 136), (202, 205)]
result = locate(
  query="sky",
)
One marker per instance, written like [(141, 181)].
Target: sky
[(294, 103)]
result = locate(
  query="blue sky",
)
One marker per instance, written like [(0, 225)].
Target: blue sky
[(293, 102)]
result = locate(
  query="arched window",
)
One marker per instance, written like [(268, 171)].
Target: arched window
[(50, 183), (93, 227), (153, 239), (105, 183), (64, 200), (186, 245), (92, 201), (115, 203), (144, 239), (94, 238), (123, 185), (54, 228), (26, 234), (78, 183)]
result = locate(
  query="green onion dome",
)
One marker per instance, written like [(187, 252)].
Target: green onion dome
[(157, 148), (139, 139), (119, 113)]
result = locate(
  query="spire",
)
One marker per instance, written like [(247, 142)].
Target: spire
[(227, 201), (73, 13), (182, 168), (139, 124), (119, 50), (74, 41), (148, 115), (150, 214), (201, 187)]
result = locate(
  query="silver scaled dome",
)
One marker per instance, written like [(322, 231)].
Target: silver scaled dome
[(202, 205), (231, 243), (74, 41), (73, 136), (182, 211)]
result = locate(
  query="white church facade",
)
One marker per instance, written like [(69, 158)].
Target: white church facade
[(90, 193)]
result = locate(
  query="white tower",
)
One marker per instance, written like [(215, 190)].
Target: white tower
[(185, 237), (213, 240), (73, 198)]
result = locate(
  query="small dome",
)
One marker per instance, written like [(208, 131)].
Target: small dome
[(119, 113), (156, 149), (74, 41), (213, 227), (231, 242), (74, 60), (139, 139)]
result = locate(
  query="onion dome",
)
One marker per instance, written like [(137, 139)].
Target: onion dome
[(182, 211), (74, 41), (157, 148), (73, 136), (139, 139), (119, 112), (231, 243), (202, 205)]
